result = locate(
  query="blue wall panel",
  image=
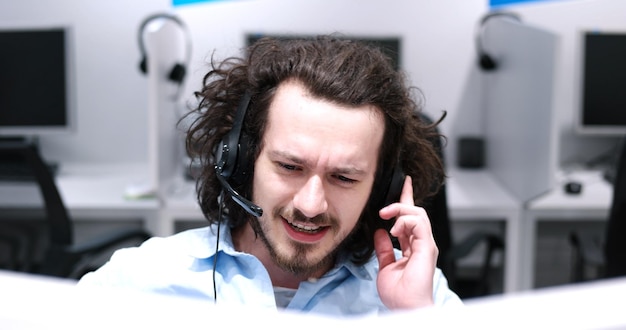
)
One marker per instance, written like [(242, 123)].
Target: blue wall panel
[(504, 3), (188, 2)]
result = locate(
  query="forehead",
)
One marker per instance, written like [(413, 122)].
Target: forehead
[(310, 127)]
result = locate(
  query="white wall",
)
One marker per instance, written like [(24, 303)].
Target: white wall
[(111, 93)]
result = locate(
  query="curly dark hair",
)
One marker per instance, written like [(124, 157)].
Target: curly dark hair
[(332, 68)]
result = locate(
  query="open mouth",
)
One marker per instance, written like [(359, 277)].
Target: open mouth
[(305, 232), (305, 228)]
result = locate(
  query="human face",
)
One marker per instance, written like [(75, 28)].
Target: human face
[(314, 175)]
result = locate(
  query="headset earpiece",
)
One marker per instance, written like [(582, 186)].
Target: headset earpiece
[(143, 65), (392, 189), (389, 189), (487, 63), (232, 151), (177, 74), (395, 186)]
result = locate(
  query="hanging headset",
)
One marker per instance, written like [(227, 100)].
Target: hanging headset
[(486, 61), (178, 71)]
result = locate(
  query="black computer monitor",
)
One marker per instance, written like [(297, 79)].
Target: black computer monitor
[(602, 102), (390, 46), (36, 96)]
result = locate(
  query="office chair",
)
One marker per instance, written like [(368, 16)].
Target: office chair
[(451, 252), (604, 255), (60, 257)]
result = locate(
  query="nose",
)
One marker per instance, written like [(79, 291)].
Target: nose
[(311, 198)]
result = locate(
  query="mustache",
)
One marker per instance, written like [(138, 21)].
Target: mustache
[(297, 215)]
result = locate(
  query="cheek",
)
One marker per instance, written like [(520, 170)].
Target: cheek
[(267, 189), (348, 207)]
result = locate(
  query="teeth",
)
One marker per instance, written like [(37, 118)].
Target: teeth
[(304, 227)]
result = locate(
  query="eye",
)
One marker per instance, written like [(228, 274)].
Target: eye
[(288, 167), (344, 179)]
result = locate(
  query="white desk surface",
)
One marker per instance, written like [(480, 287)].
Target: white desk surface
[(595, 198), (90, 192), (93, 187), (477, 192)]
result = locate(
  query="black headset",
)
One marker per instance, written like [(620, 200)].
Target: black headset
[(486, 61), (232, 164), (177, 73), (231, 159)]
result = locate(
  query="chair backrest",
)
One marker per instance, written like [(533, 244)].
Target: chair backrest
[(615, 245), (59, 224), (437, 209)]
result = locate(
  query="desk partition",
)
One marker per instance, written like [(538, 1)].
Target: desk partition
[(519, 126)]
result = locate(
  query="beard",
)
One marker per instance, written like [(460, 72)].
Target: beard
[(299, 262)]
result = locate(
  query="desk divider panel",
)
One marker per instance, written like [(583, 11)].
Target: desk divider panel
[(519, 125)]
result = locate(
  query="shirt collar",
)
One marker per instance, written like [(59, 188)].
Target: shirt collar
[(365, 271)]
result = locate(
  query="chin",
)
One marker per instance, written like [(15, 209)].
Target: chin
[(304, 259)]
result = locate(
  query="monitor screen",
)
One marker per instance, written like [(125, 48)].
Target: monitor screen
[(35, 82), (603, 83), (390, 46)]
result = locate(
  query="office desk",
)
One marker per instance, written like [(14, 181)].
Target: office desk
[(90, 192), (592, 204), (472, 195), (477, 195)]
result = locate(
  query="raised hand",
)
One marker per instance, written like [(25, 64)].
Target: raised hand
[(407, 282)]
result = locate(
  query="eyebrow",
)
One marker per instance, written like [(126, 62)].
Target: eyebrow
[(352, 170)]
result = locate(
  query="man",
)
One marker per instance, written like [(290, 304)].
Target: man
[(308, 149)]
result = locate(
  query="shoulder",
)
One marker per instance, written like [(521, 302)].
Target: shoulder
[(442, 294), (197, 243), (158, 257)]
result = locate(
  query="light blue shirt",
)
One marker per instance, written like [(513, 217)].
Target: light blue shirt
[(182, 265)]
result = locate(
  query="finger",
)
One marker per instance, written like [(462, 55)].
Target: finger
[(406, 197), (384, 248), (411, 229)]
